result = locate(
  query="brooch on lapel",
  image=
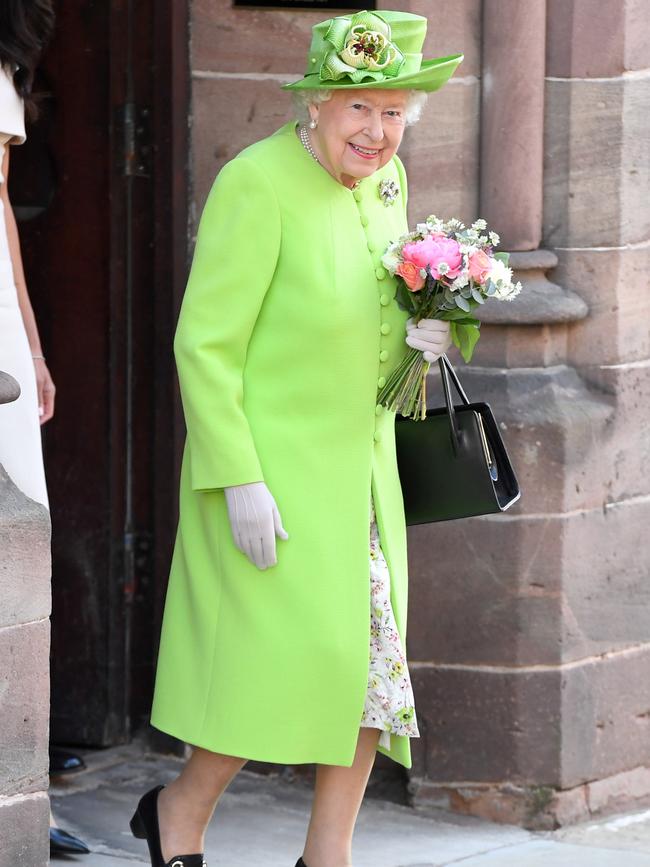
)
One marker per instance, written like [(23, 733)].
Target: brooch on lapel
[(388, 191)]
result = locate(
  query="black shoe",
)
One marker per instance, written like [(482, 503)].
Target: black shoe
[(63, 843), (301, 863), (144, 826), (63, 762)]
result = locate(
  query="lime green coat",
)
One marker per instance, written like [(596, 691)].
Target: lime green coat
[(287, 326)]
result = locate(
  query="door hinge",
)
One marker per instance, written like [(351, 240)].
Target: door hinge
[(138, 562), (137, 140)]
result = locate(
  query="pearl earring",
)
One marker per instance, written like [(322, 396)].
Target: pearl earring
[(313, 124)]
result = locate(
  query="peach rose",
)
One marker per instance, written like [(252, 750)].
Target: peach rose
[(410, 274), (479, 266)]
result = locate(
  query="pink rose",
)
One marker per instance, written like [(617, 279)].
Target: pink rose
[(479, 266), (433, 251), (410, 274)]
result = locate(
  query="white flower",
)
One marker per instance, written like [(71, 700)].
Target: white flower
[(390, 261), (423, 273), (499, 272), (479, 225), (422, 228), (434, 224), (452, 225), (494, 239), (508, 292), (443, 268), (467, 248), (460, 282)]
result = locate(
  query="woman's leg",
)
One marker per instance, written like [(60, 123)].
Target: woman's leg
[(337, 797), (186, 805)]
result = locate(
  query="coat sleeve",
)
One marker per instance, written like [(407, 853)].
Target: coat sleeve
[(236, 252)]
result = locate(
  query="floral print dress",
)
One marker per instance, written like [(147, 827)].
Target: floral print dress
[(389, 700)]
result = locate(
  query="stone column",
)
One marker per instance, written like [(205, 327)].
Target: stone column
[(24, 670), (530, 633)]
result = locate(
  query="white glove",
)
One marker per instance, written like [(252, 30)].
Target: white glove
[(255, 521), (432, 336)]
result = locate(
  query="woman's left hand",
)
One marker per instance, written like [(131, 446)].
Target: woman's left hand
[(45, 390), (431, 336)]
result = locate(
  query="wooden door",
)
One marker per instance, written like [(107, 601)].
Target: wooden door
[(100, 193)]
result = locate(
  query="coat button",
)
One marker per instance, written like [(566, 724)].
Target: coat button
[(384, 354), (376, 436), (357, 196), (385, 328), (381, 382), (384, 300), (379, 409), (364, 220), (380, 273), (371, 247)]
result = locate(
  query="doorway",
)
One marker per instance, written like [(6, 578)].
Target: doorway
[(100, 191)]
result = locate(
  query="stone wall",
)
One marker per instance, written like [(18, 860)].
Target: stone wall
[(24, 671), (529, 633)]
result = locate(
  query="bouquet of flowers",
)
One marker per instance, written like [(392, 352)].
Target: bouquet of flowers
[(444, 271)]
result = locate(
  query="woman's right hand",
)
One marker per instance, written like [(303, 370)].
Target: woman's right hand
[(255, 521)]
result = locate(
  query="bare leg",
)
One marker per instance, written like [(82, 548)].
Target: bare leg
[(186, 805), (338, 794)]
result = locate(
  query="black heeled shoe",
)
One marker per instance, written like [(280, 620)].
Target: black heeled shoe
[(144, 826), (64, 843), (300, 863)]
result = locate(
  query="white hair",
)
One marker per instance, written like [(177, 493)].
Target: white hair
[(302, 99)]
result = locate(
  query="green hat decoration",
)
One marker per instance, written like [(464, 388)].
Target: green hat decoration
[(371, 49)]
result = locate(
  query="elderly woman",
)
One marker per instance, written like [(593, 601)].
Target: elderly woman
[(290, 560)]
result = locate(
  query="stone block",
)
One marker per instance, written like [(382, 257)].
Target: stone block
[(228, 116), (24, 831), (487, 726), (589, 38), (622, 448), (441, 154), (537, 590), (249, 40), (614, 283), (553, 423), (597, 163), (9, 388), (544, 729), (25, 564), (454, 28), (539, 808), (616, 792), (24, 707), (521, 345), (605, 725), (637, 35)]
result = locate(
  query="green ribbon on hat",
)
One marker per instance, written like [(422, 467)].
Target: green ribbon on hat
[(361, 49)]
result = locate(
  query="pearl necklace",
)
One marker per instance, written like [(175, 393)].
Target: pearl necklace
[(306, 143)]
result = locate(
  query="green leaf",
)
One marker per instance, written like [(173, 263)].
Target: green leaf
[(458, 316), (465, 337), (476, 295), (503, 257), (463, 303), (405, 299)]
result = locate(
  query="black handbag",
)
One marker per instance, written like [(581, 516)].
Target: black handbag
[(453, 464)]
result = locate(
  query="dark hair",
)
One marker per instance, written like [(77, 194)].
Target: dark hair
[(25, 28)]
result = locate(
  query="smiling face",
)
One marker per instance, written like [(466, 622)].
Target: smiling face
[(358, 131)]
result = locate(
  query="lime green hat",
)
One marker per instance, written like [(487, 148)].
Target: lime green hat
[(373, 49)]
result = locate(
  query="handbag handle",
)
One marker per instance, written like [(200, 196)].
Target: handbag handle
[(447, 371)]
